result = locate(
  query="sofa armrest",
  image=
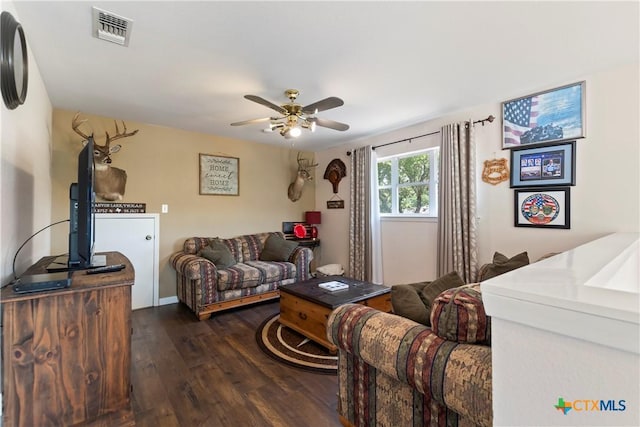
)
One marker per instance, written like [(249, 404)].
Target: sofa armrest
[(301, 257), (455, 375), (385, 341), (193, 267)]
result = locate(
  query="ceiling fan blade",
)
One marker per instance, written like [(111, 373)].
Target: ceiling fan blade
[(330, 124), (249, 122), (325, 104), (266, 103)]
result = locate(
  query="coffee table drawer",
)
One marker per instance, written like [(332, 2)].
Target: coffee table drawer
[(381, 302), (305, 317)]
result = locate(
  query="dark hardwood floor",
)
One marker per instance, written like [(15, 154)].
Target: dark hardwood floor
[(212, 373)]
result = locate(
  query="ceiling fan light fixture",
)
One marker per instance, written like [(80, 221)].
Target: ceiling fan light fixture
[(310, 123), (295, 117), (291, 132)]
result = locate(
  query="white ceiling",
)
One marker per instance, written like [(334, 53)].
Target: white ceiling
[(394, 64)]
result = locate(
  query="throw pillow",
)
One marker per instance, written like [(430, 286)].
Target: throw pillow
[(501, 264), (277, 248), (406, 302), (441, 284), (219, 254), (458, 315)]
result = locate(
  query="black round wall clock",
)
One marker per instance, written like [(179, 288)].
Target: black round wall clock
[(14, 67)]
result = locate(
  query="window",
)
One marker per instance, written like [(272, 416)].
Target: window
[(408, 184)]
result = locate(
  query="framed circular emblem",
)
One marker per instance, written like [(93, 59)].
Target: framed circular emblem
[(540, 208), (14, 65)]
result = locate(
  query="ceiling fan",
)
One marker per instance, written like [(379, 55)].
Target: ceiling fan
[(294, 117)]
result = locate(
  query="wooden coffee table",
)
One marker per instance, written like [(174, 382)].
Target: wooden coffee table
[(305, 307)]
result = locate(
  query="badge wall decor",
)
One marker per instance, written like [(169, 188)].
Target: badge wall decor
[(495, 171)]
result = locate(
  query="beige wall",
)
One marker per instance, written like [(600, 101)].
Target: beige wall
[(25, 182), (162, 168), (606, 198)]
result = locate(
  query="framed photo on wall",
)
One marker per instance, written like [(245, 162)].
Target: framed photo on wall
[(219, 175), (543, 207), (550, 116), (543, 166)]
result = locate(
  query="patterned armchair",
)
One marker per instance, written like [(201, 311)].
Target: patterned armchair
[(396, 372)]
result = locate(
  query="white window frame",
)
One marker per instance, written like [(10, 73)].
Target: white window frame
[(431, 183)]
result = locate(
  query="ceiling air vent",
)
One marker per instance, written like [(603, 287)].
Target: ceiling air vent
[(111, 27)]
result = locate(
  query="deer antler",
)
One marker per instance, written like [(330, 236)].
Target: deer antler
[(75, 124), (119, 134), (305, 163)]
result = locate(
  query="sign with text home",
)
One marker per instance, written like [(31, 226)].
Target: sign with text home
[(219, 175)]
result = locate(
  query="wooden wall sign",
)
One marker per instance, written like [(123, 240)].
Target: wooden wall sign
[(335, 204), (119, 208)]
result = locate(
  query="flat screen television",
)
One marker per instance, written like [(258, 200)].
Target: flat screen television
[(81, 218)]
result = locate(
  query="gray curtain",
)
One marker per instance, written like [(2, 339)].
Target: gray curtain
[(359, 215), (457, 249)]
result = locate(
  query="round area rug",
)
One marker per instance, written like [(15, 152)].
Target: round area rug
[(287, 346)]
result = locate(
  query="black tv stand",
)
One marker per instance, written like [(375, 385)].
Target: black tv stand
[(61, 263)]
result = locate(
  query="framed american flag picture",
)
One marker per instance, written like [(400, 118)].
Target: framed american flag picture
[(543, 207), (545, 117)]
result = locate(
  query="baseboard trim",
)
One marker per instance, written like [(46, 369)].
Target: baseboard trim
[(168, 300)]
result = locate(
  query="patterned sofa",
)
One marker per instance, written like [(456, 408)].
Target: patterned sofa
[(205, 289), (396, 372)]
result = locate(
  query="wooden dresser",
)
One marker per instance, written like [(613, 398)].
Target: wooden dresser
[(67, 353)]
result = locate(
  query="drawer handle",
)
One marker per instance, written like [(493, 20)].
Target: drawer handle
[(303, 316)]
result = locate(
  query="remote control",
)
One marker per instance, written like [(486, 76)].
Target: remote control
[(106, 269)]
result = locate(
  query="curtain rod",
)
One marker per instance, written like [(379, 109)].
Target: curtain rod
[(489, 119)]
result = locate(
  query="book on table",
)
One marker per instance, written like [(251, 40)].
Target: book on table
[(333, 286)]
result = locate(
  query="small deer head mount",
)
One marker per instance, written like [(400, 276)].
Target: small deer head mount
[(110, 182), (303, 175)]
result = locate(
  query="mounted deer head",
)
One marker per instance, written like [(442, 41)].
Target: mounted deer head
[(304, 175), (110, 182)]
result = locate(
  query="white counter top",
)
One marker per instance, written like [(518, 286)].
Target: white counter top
[(590, 292)]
